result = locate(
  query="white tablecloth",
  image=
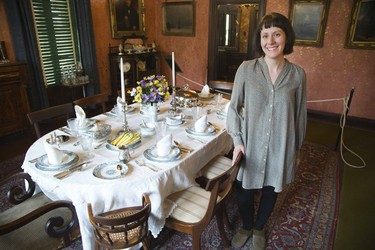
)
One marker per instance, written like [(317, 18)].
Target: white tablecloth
[(104, 195)]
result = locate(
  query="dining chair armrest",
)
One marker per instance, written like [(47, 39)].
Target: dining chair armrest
[(58, 218)]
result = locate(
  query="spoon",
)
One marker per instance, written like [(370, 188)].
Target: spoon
[(119, 167), (144, 123)]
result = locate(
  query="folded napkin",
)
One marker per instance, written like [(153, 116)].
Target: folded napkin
[(80, 114), (205, 90), (54, 155), (226, 108), (164, 145), (119, 101), (201, 124)]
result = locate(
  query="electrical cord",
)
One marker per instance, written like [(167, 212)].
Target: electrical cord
[(345, 101)]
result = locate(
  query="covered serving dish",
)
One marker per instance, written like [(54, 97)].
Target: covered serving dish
[(186, 98)]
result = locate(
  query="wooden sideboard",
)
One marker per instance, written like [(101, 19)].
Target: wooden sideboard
[(14, 104), (137, 66)]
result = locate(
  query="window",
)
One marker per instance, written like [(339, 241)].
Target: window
[(57, 35)]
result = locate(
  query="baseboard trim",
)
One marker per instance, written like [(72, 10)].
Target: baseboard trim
[(351, 121)]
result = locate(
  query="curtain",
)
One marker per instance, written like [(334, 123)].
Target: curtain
[(26, 50), (26, 47), (87, 45)]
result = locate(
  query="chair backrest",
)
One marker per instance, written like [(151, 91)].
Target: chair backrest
[(122, 228), (93, 100), (224, 87), (52, 112), (222, 186)]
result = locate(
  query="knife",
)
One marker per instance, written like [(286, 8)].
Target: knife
[(67, 172)]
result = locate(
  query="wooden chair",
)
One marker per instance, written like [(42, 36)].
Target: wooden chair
[(223, 87), (37, 117), (34, 221), (122, 228), (197, 206), (216, 167), (90, 101)]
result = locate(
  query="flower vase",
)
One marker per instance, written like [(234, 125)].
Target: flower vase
[(153, 113)]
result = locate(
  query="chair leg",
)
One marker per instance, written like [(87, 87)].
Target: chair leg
[(196, 238), (226, 218), (220, 215), (146, 242)]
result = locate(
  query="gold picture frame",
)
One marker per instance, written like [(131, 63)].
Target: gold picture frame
[(309, 19), (361, 31), (179, 18), (127, 18)]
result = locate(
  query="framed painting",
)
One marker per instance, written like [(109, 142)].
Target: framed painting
[(309, 19), (179, 18), (127, 18), (361, 31)]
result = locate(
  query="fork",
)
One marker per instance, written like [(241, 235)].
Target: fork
[(199, 140), (142, 163)]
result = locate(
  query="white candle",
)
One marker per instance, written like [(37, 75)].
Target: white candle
[(122, 81), (173, 72)]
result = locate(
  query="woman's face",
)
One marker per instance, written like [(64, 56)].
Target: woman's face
[(273, 41)]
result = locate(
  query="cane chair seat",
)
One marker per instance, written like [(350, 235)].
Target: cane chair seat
[(122, 228)]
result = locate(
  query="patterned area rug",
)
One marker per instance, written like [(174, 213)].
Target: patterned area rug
[(305, 215)]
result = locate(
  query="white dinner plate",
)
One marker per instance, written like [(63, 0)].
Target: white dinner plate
[(129, 110), (152, 155), (69, 159), (109, 170), (221, 113), (210, 130)]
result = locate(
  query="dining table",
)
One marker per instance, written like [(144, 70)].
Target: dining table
[(156, 178)]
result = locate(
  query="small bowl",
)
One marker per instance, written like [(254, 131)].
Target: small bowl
[(149, 129), (101, 131), (174, 120)]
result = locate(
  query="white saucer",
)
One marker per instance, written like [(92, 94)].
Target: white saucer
[(109, 170)]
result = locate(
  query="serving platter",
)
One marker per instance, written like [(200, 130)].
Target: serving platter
[(132, 145)]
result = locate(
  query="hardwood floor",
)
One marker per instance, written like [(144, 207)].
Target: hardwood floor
[(357, 200)]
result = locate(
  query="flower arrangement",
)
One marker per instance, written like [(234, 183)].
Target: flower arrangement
[(151, 89)]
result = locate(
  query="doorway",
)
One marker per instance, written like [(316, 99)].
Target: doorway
[(233, 24)]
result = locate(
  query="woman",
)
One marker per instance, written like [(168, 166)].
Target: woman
[(267, 121)]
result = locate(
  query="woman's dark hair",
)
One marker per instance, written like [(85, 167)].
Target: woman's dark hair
[(275, 20)]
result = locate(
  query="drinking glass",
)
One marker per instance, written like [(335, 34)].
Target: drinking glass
[(161, 130), (86, 141), (196, 113), (73, 126), (219, 98)]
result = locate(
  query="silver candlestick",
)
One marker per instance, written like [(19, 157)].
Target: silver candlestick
[(123, 106), (173, 103)]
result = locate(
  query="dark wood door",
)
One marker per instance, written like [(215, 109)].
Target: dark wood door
[(232, 27)]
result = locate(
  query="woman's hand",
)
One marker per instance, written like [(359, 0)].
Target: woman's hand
[(236, 151)]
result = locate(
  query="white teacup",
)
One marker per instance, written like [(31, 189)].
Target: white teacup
[(149, 129), (174, 120)]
